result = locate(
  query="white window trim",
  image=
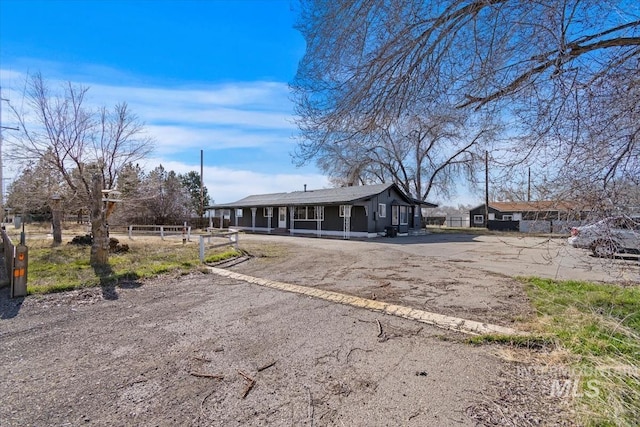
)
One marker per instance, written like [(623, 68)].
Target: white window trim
[(307, 209), (406, 215), (382, 210), (238, 213), (478, 219), (507, 217), (395, 215), (268, 212), (345, 208)]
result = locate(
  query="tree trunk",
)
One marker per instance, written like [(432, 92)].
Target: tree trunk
[(57, 227), (100, 245)]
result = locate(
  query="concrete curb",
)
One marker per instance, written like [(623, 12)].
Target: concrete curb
[(471, 327)]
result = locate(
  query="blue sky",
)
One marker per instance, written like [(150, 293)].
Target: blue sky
[(206, 74)]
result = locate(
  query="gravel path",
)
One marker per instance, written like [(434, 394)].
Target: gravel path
[(139, 358)]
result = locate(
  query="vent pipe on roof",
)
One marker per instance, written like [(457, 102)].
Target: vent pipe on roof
[(305, 188)]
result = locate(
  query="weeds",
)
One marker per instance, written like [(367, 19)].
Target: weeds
[(600, 325), (521, 341)]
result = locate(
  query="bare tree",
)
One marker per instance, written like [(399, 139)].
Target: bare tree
[(561, 75), (424, 156), (87, 147)]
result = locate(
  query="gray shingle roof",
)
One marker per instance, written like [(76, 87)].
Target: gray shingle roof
[(341, 195)]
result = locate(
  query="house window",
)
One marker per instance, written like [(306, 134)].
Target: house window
[(268, 212), (315, 212), (382, 210), (395, 215), (238, 213), (404, 215), (308, 213), (507, 217), (478, 219), (300, 212), (416, 211), (345, 211)]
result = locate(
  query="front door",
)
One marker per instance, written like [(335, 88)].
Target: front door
[(282, 217)]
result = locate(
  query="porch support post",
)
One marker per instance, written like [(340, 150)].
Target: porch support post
[(253, 218), (318, 221), (346, 224), (292, 211), (221, 218), (269, 219)]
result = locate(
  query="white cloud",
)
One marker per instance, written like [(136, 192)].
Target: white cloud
[(246, 119), (230, 115), (228, 185), (171, 140)]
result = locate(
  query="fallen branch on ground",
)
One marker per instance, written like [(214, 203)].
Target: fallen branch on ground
[(267, 366), (205, 375), (250, 383)]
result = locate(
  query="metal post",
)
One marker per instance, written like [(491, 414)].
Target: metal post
[(202, 249), (19, 271), (201, 183), (486, 189)]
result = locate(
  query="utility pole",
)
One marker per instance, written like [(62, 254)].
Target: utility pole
[(486, 188), (529, 187), (202, 183), (1, 176)]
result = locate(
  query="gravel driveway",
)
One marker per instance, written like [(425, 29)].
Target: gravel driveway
[(177, 350)]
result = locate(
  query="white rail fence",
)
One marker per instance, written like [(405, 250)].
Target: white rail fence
[(161, 230), (228, 238)]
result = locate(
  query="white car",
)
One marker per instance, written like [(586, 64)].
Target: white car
[(605, 238)]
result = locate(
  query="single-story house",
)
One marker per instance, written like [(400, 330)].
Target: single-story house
[(357, 211), (544, 210)]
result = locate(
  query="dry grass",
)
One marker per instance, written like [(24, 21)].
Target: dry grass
[(66, 267), (597, 328)]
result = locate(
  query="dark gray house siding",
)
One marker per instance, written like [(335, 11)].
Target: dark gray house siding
[(476, 213), (372, 208)]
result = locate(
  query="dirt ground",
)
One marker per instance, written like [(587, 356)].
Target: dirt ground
[(182, 350)]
